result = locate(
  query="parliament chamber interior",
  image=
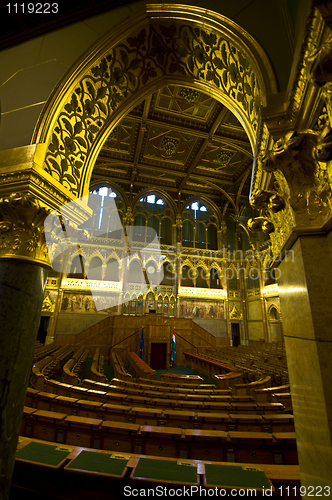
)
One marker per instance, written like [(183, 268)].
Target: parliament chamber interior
[(165, 252)]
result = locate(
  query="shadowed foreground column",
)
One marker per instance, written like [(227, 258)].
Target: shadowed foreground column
[(23, 272), (306, 305), (21, 296)]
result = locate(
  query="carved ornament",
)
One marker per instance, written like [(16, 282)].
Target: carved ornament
[(22, 229), (300, 163), (177, 50), (235, 313)]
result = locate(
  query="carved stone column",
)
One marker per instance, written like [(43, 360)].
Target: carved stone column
[(301, 213), (305, 300), (245, 339), (23, 273)]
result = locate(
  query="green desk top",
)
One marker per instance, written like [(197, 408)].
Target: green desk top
[(164, 470), (235, 476), (45, 454), (102, 463)]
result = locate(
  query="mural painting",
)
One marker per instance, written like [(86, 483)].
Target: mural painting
[(201, 309), (84, 303)]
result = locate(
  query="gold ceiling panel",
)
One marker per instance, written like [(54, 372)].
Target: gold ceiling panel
[(167, 144), (185, 101), (176, 133)]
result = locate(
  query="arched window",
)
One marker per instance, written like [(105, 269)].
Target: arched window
[(152, 211), (95, 269), (186, 277), (112, 270), (201, 279), (77, 268), (168, 278), (135, 274), (215, 281), (152, 273), (108, 209), (199, 228)]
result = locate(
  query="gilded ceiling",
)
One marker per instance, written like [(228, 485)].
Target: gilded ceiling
[(179, 140)]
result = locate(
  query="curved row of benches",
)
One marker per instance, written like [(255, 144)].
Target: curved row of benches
[(88, 473), (118, 367), (97, 367), (157, 399), (74, 367), (180, 417), (126, 437)]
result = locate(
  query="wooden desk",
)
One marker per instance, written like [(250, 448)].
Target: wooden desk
[(28, 473), (160, 440), (44, 401), (166, 472), (246, 422), (95, 395), (146, 416), (116, 412), (289, 448), (64, 404), (89, 409), (179, 418), (213, 421), (98, 464), (237, 477), (279, 422), (45, 424), (187, 379), (80, 430), (118, 436), (252, 447), (205, 444), (42, 454)]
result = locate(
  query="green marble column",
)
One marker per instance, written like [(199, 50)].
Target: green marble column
[(21, 296), (305, 287)]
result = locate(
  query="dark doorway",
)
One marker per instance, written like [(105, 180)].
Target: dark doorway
[(43, 327), (158, 356), (235, 334)]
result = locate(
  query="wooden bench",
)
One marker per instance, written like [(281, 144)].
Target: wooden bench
[(139, 367), (118, 367), (243, 389), (227, 380), (97, 367)]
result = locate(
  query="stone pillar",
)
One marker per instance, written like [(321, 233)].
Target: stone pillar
[(242, 273), (23, 274), (21, 297), (261, 286), (177, 279), (227, 311), (306, 303)]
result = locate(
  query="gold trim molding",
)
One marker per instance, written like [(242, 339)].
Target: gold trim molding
[(165, 43), (202, 293), (80, 284)]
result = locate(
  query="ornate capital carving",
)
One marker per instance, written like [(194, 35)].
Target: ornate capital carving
[(301, 157), (301, 202), (325, 9), (22, 229)]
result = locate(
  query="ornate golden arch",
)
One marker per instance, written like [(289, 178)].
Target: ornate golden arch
[(164, 44)]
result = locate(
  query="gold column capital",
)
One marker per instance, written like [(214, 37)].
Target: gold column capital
[(22, 229), (299, 198), (27, 195)]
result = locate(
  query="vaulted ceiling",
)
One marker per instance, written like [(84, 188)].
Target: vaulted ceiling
[(182, 141)]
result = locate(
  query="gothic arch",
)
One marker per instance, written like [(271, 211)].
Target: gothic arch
[(176, 44)]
